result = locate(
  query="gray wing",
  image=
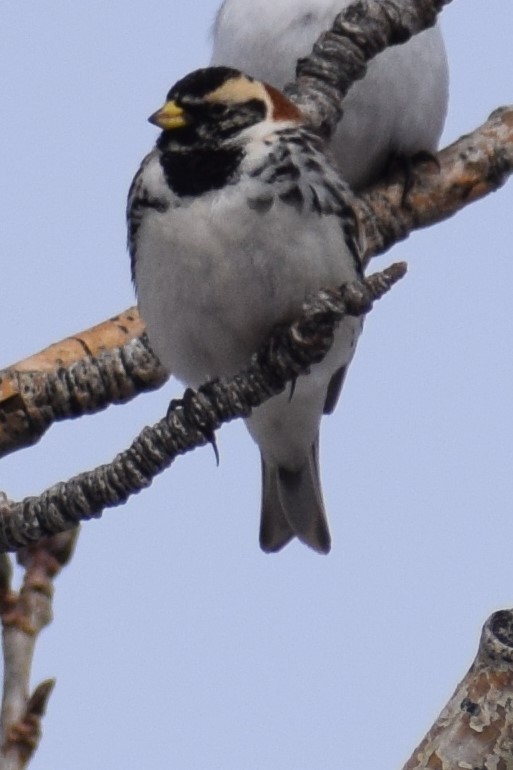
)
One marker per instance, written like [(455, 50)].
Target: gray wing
[(138, 202)]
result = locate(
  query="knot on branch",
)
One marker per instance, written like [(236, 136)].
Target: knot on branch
[(497, 638)]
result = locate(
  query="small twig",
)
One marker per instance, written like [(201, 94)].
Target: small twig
[(289, 352), (24, 615)]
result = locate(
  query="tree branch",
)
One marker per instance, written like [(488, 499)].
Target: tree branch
[(475, 729), (108, 364), (473, 167), (289, 352), (339, 57), (65, 381), (24, 615)]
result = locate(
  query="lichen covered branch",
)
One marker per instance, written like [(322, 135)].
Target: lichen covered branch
[(466, 171), (67, 380), (475, 729), (108, 364), (289, 352), (340, 56)]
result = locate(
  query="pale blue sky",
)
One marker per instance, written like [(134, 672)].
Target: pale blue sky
[(176, 642)]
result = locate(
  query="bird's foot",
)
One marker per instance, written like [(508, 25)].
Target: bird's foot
[(186, 403)]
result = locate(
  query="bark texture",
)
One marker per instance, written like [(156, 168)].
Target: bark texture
[(340, 56), (289, 352), (113, 363), (475, 729), (108, 364), (24, 615)]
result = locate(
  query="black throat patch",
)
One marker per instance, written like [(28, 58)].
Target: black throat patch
[(201, 169)]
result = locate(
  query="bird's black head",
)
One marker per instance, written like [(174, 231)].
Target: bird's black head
[(201, 121), (214, 104), (200, 83)]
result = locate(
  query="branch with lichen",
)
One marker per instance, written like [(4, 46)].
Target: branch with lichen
[(475, 729), (83, 374), (340, 56), (288, 353), (469, 169), (24, 615), (113, 363)]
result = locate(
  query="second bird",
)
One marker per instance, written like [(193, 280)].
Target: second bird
[(398, 109)]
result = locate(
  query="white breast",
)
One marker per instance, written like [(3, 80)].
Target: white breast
[(214, 276)]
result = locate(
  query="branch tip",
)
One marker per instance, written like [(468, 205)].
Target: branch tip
[(497, 638), (38, 701), (381, 283), (289, 352)]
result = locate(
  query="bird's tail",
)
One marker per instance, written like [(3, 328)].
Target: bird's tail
[(292, 505)]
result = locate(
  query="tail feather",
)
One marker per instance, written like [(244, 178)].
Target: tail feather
[(292, 505), (275, 531)]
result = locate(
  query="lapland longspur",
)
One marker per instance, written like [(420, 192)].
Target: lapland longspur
[(234, 219)]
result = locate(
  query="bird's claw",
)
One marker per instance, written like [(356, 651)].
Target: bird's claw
[(185, 403), (293, 384)]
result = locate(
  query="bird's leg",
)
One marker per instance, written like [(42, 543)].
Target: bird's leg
[(186, 403)]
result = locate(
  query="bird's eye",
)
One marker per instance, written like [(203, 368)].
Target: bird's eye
[(217, 108)]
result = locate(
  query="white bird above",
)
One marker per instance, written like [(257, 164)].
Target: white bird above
[(398, 109), (234, 219)]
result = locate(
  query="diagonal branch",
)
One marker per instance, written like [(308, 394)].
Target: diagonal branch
[(339, 58), (65, 381), (108, 364), (36, 393), (473, 167), (289, 352)]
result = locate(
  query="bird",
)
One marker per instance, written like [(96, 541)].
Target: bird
[(234, 219), (395, 112)]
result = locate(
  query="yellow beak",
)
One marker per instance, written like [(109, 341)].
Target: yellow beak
[(168, 117)]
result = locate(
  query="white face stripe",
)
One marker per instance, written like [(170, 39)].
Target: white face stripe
[(238, 90)]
